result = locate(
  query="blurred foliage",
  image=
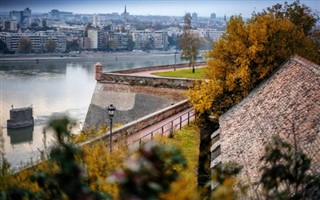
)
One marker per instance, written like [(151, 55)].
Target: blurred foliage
[(286, 173), (68, 181), (225, 183), (149, 172), (73, 173), (187, 140)]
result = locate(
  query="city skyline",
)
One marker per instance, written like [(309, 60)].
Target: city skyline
[(152, 7)]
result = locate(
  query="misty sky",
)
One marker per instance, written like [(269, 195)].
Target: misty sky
[(150, 7)]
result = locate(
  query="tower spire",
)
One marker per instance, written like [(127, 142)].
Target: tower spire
[(125, 9)]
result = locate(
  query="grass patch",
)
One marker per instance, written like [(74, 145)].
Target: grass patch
[(187, 140), (183, 73)]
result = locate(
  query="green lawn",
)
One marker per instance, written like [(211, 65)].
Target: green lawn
[(183, 73)]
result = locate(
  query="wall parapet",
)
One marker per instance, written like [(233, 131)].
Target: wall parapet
[(155, 68), (127, 79)]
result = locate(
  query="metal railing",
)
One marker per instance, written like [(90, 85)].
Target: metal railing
[(165, 130)]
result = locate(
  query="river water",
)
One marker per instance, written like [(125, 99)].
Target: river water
[(54, 87)]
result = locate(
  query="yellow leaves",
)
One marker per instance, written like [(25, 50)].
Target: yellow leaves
[(203, 94), (100, 163)]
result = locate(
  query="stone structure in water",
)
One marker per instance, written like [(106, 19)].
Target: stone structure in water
[(20, 117)]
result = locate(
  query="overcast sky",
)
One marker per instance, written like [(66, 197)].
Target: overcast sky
[(150, 7)]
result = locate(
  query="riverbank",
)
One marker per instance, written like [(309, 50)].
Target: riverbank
[(78, 56)]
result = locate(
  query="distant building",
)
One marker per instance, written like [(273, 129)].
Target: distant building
[(93, 36), (213, 34), (194, 16), (38, 39), (121, 40), (160, 39), (213, 16), (125, 14), (10, 25), (57, 15), (84, 43), (20, 16)]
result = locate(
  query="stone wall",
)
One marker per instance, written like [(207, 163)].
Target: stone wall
[(155, 68), (135, 126), (177, 83), (132, 102), (126, 77), (286, 104)]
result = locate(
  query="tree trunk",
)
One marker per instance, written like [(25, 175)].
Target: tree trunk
[(204, 171)]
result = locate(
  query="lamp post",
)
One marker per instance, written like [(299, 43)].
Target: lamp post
[(175, 60), (111, 108)]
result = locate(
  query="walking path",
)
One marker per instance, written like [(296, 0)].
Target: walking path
[(162, 128)]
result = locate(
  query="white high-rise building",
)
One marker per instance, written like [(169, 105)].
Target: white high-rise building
[(93, 36)]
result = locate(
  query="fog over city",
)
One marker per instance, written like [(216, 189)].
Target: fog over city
[(151, 7)]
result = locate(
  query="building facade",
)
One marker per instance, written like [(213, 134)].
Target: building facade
[(38, 39), (94, 38), (159, 39), (213, 34)]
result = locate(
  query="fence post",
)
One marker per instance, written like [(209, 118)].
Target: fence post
[(151, 135), (189, 118), (162, 131), (180, 122), (140, 143), (171, 130)]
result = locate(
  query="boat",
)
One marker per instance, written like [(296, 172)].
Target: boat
[(20, 117)]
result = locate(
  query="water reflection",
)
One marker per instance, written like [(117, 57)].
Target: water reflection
[(20, 135)]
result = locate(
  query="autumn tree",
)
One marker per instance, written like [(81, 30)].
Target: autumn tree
[(244, 56), (130, 44), (112, 45), (149, 45), (299, 14), (25, 45), (51, 45), (3, 47), (189, 43)]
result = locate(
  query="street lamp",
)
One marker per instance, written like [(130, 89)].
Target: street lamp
[(175, 58), (111, 108)]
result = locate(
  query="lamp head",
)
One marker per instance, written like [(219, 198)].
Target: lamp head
[(111, 108)]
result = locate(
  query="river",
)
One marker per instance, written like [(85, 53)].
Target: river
[(54, 87)]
